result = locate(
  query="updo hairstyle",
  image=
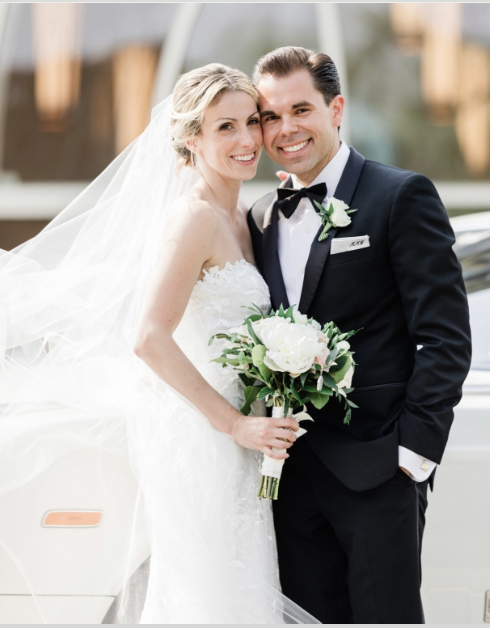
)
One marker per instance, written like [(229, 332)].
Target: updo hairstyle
[(194, 92)]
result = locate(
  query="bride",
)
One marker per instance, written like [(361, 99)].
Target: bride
[(108, 313)]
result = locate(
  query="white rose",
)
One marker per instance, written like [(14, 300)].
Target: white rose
[(301, 319), (291, 347), (343, 347), (339, 217)]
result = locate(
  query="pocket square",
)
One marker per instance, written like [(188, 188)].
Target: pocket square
[(342, 245)]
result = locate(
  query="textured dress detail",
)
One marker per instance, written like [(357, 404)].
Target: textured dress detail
[(213, 546)]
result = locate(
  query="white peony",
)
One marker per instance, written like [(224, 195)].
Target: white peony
[(339, 217), (291, 347)]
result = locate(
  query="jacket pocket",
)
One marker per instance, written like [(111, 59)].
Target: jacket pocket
[(348, 257)]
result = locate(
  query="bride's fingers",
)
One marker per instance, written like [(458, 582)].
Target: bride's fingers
[(286, 435), (279, 443), (273, 454), (286, 424), (280, 174)]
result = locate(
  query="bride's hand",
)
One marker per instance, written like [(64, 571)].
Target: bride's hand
[(263, 433), (281, 174)]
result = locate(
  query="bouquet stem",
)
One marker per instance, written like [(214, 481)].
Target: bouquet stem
[(269, 484)]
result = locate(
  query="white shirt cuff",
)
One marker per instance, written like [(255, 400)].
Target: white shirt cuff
[(419, 467)]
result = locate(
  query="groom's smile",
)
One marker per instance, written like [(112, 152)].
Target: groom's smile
[(300, 129)]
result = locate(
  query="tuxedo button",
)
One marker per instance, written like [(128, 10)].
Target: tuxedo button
[(425, 466)]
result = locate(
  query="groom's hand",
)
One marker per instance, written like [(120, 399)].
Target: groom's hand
[(406, 471), (264, 433)]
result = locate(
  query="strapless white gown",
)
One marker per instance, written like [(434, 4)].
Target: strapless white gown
[(213, 546)]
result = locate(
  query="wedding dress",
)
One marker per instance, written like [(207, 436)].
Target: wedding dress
[(70, 303), (213, 553)]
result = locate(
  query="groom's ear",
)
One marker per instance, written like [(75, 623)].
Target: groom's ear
[(337, 108)]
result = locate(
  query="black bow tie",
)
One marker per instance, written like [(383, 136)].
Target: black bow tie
[(288, 198)]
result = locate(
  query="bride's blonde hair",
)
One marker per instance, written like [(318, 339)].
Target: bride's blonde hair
[(194, 92)]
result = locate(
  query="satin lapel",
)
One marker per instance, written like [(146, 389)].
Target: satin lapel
[(320, 251), (272, 264)]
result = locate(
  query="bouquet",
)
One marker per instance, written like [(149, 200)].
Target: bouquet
[(288, 360)]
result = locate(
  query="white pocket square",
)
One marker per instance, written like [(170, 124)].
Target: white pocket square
[(342, 245)]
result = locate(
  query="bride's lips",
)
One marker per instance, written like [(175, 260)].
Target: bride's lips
[(295, 150), (245, 160)]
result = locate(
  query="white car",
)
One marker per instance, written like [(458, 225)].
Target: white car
[(63, 535)]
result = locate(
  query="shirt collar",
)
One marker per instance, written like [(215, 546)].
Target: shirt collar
[(332, 172)]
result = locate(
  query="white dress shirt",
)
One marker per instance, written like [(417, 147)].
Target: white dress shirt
[(296, 236)]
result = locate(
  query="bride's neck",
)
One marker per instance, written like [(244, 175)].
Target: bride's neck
[(219, 190)]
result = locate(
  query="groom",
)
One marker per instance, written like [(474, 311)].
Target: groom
[(351, 508)]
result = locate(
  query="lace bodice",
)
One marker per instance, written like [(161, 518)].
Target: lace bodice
[(224, 294), (219, 302)]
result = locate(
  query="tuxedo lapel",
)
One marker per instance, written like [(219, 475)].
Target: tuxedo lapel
[(272, 264), (320, 251)]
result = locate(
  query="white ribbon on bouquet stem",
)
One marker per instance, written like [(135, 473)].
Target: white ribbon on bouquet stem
[(271, 467)]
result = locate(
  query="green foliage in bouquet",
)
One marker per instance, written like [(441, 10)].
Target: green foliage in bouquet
[(317, 382)]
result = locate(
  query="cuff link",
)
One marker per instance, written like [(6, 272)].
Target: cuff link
[(425, 466)]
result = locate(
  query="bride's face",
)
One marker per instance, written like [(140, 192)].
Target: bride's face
[(231, 137)]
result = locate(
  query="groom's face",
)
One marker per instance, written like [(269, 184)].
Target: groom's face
[(300, 129)]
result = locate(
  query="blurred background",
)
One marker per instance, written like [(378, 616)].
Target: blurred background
[(77, 83)]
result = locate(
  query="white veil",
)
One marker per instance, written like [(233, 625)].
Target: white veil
[(70, 300)]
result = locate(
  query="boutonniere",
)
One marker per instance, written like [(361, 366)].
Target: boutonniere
[(335, 214)]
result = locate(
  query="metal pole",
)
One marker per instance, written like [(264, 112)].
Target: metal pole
[(174, 50), (331, 42)]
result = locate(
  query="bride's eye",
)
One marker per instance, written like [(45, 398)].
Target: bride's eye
[(225, 127), (254, 121)]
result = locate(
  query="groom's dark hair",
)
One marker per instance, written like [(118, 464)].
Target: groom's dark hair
[(284, 61)]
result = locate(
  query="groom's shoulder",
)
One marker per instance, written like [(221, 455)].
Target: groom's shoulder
[(392, 180), (259, 208), (391, 173)]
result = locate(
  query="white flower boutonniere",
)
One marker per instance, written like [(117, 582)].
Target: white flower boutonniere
[(335, 214)]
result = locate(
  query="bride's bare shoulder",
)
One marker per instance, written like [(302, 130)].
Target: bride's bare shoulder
[(194, 215)]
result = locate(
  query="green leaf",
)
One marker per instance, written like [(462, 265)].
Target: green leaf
[(253, 335), (303, 377), (351, 403), (248, 381), (258, 354), (251, 393), (289, 313), (263, 392), (310, 388), (318, 400), (211, 340), (281, 312), (328, 380), (339, 375)]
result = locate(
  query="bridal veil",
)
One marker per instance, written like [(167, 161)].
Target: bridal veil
[(70, 301)]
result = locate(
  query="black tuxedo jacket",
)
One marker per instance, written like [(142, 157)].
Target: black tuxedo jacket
[(406, 290)]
